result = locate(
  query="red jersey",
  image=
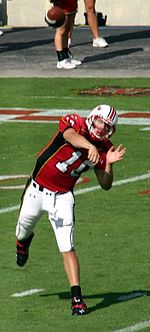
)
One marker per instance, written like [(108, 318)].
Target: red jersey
[(59, 164)]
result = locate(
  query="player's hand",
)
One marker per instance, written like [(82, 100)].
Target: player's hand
[(115, 155), (93, 154)]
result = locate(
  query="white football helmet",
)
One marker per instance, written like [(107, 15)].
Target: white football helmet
[(105, 113)]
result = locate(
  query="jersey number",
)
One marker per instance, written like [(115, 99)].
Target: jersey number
[(63, 166)]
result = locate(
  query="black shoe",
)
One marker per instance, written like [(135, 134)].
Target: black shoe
[(22, 251), (78, 307)]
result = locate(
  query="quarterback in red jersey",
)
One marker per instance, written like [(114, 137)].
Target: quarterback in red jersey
[(78, 145)]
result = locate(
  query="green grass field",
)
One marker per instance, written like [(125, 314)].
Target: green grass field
[(112, 228)]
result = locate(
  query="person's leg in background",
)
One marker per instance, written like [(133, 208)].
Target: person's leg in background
[(98, 41), (70, 32), (65, 59)]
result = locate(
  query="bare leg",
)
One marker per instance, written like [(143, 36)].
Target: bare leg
[(58, 39), (72, 268), (92, 18), (61, 34), (71, 30)]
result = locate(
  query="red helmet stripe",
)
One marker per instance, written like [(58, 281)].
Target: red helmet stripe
[(112, 114)]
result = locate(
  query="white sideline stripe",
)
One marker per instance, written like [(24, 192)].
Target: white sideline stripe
[(12, 187), (64, 97), (89, 189), (60, 112), (136, 327), (56, 111), (27, 292), (134, 121), (9, 209), (8, 177), (145, 129), (121, 121), (116, 183)]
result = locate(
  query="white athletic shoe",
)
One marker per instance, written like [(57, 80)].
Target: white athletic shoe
[(100, 42), (66, 64), (1, 33), (72, 60), (75, 62)]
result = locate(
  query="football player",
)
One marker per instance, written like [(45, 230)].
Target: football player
[(78, 145)]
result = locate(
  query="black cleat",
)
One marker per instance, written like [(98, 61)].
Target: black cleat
[(78, 307), (22, 250)]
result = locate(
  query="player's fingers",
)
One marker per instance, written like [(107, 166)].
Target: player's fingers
[(121, 154), (94, 158), (119, 147), (123, 151)]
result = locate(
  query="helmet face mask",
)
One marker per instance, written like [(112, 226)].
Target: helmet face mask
[(106, 115)]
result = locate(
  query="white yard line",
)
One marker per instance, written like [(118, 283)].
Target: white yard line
[(116, 183), (90, 189), (136, 327), (27, 292)]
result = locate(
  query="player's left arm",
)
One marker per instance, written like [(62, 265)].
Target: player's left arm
[(105, 177)]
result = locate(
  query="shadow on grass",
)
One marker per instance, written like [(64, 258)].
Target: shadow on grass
[(106, 299)]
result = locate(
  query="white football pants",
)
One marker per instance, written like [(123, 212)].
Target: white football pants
[(60, 208)]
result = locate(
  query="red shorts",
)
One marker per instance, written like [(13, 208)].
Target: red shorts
[(69, 6)]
